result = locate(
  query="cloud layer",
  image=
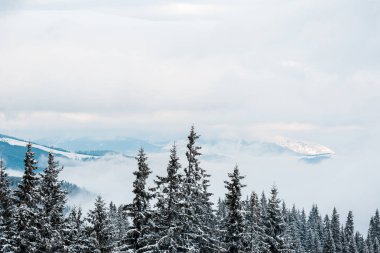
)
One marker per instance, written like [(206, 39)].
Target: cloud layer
[(110, 65)]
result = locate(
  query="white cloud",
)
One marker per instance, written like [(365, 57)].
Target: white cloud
[(242, 70)]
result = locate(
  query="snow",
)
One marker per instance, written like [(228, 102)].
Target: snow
[(69, 155), (304, 148)]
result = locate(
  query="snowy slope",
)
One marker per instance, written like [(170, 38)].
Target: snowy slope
[(304, 148), (12, 152), (70, 155)]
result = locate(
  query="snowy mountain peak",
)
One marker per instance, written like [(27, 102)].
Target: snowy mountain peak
[(304, 148)]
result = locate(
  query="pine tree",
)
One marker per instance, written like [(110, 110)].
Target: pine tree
[(119, 225), (198, 217), (376, 246), (329, 246), (345, 246), (221, 210), (316, 225), (27, 215), (360, 243), (349, 233), (335, 230), (254, 226), (221, 214), (6, 212), (369, 244), (275, 225), (374, 231), (304, 233), (99, 229), (294, 227), (376, 225), (53, 200), (112, 216), (168, 207), (314, 242), (234, 220), (264, 206), (122, 226), (287, 236), (349, 228), (138, 236), (75, 237)]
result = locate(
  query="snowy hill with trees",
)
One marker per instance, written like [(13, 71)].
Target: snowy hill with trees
[(12, 149), (175, 214)]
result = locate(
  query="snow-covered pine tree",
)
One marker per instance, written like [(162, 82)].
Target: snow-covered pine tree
[(198, 233), (221, 209), (248, 234), (329, 246), (369, 245), (360, 243), (349, 228), (167, 217), (121, 225), (349, 231), (309, 240), (335, 230), (112, 216), (209, 220), (294, 225), (27, 214), (284, 212), (345, 246), (275, 225), (287, 237), (6, 212), (376, 246), (53, 200), (316, 225), (303, 230), (99, 229), (254, 226), (264, 205), (374, 224), (75, 237), (234, 222), (138, 236), (221, 214)]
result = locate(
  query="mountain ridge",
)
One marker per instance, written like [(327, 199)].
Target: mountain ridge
[(12, 149)]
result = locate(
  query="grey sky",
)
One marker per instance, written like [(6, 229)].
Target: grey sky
[(96, 66)]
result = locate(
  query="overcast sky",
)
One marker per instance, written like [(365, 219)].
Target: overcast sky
[(153, 68)]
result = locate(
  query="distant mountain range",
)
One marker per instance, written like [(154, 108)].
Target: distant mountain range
[(12, 149), (124, 145)]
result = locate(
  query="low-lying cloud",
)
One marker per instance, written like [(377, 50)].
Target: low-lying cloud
[(300, 183)]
